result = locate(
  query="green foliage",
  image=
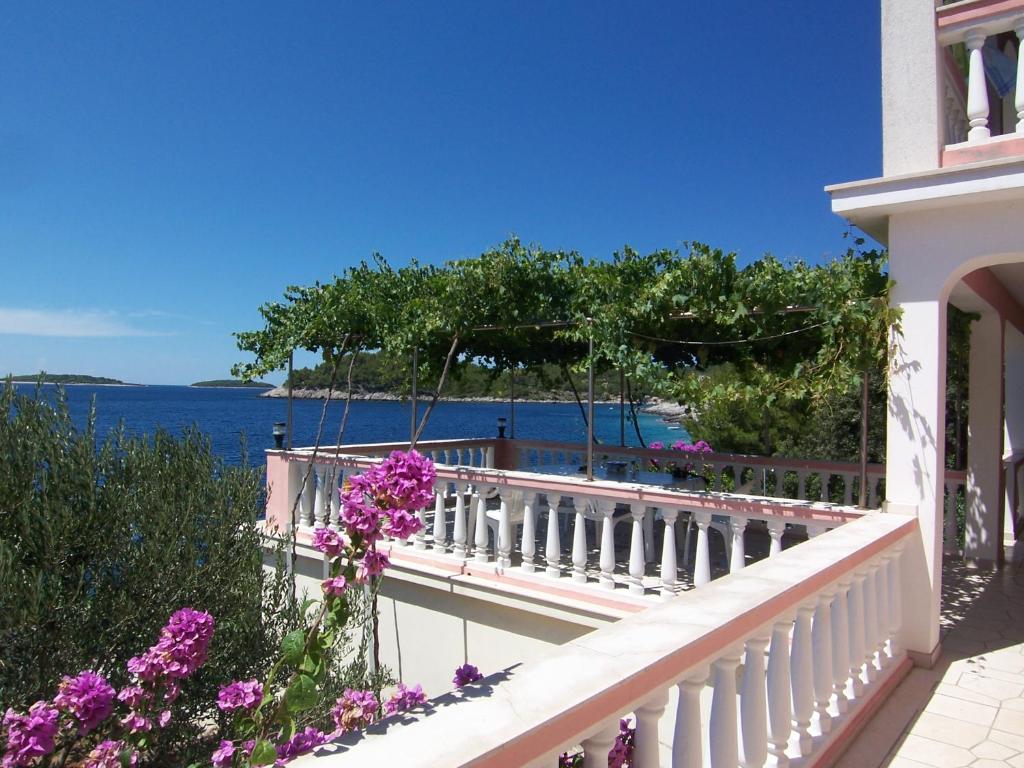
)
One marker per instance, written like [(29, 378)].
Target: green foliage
[(101, 540)]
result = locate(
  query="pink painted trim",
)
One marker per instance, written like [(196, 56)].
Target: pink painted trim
[(974, 153), (278, 510), (550, 736), (990, 289), (974, 13)]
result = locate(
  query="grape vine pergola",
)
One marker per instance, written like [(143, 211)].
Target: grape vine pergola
[(791, 331)]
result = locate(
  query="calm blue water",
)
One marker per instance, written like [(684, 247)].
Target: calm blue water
[(225, 414)]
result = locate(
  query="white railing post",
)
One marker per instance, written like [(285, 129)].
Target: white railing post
[(977, 88), (637, 555), (480, 539), (803, 677), (855, 633), (504, 543), (419, 539), (335, 520), (669, 567), (440, 531), (840, 647), (895, 601), (579, 542), (606, 509), (1018, 100), (459, 529), (780, 701), (821, 640), (529, 544), (702, 563), (597, 747), (737, 559), (753, 706), (688, 735), (870, 623), (722, 730), (775, 530), (321, 501), (553, 542), (882, 612), (308, 500), (645, 747)]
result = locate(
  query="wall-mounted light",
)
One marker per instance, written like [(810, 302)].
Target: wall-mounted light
[(279, 431), (501, 426)]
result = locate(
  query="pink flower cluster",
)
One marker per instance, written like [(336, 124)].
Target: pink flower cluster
[(29, 736), (302, 742), (404, 699), (180, 651), (355, 709), (385, 497), (88, 697), (244, 694), (107, 754), (465, 675), (224, 755)]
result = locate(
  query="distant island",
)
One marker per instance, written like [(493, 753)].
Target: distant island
[(69, 378), (233, 383)]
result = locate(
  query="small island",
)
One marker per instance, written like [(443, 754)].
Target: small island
[(68, 378), (233, 383)]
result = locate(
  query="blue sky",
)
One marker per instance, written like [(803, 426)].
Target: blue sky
[(166, 168)]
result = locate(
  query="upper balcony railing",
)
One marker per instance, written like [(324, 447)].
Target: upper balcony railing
[(983, 91)]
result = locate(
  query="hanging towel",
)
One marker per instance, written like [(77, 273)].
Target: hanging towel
[(1000, 68)]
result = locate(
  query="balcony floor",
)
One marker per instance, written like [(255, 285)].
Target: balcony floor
[(969, 709)]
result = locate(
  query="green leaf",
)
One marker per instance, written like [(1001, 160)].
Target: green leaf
[(301, 695), (293, 646), (263, 753)]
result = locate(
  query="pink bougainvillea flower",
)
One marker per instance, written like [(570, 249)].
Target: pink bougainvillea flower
[(331, 543), (87, 697), (334, 587), (465, 675), (29, 736), (404, 699), (355, 709), (107, 754)]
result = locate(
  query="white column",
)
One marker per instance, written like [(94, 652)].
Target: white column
[(688, 736), (753, 706), (597, 747), (308, 500), (607, 559), (668, 552), (801, 664), (977, 90), (649, 534), (440, 522), (505, 529), (335, 519), (645, 747), (882, 612), (579, 542), (1018, 100), (895, 601), (775, 530), (529, 544), (869, 595), (637, 560), (780, 701), (821, 641), (722, 730), (480, 543), (737, 559), (702, 565), (553, 543), (840, 647), (982, 539), (459, 530), (321, 501), (855, 627)]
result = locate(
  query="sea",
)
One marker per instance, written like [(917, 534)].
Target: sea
[(233, 417)]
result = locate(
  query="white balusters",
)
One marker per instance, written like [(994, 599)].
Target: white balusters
[(801, 664), (895, 601), (688, 735), (977, 88), (440, 531), (702, 563), (505, 529), (637, 558), (840, 647), (321, 499), (882, 612), (737, 559), (553, 543), (307, 502), (722, 727), (855, 633), (459, 543), (775, 530), (780, 701), (821, 641), (668, 552), (606, 508), (645, 747), (480, 541), (753, 706), (579, 542), (335, 518), (419, 538), (597, 747), (529, 543), (1018, 101), (870, 623)]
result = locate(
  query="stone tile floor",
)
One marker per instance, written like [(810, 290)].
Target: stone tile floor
[(969, 709)]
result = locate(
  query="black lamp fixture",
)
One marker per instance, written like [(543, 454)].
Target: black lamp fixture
[(279, 432), (501, 426)]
